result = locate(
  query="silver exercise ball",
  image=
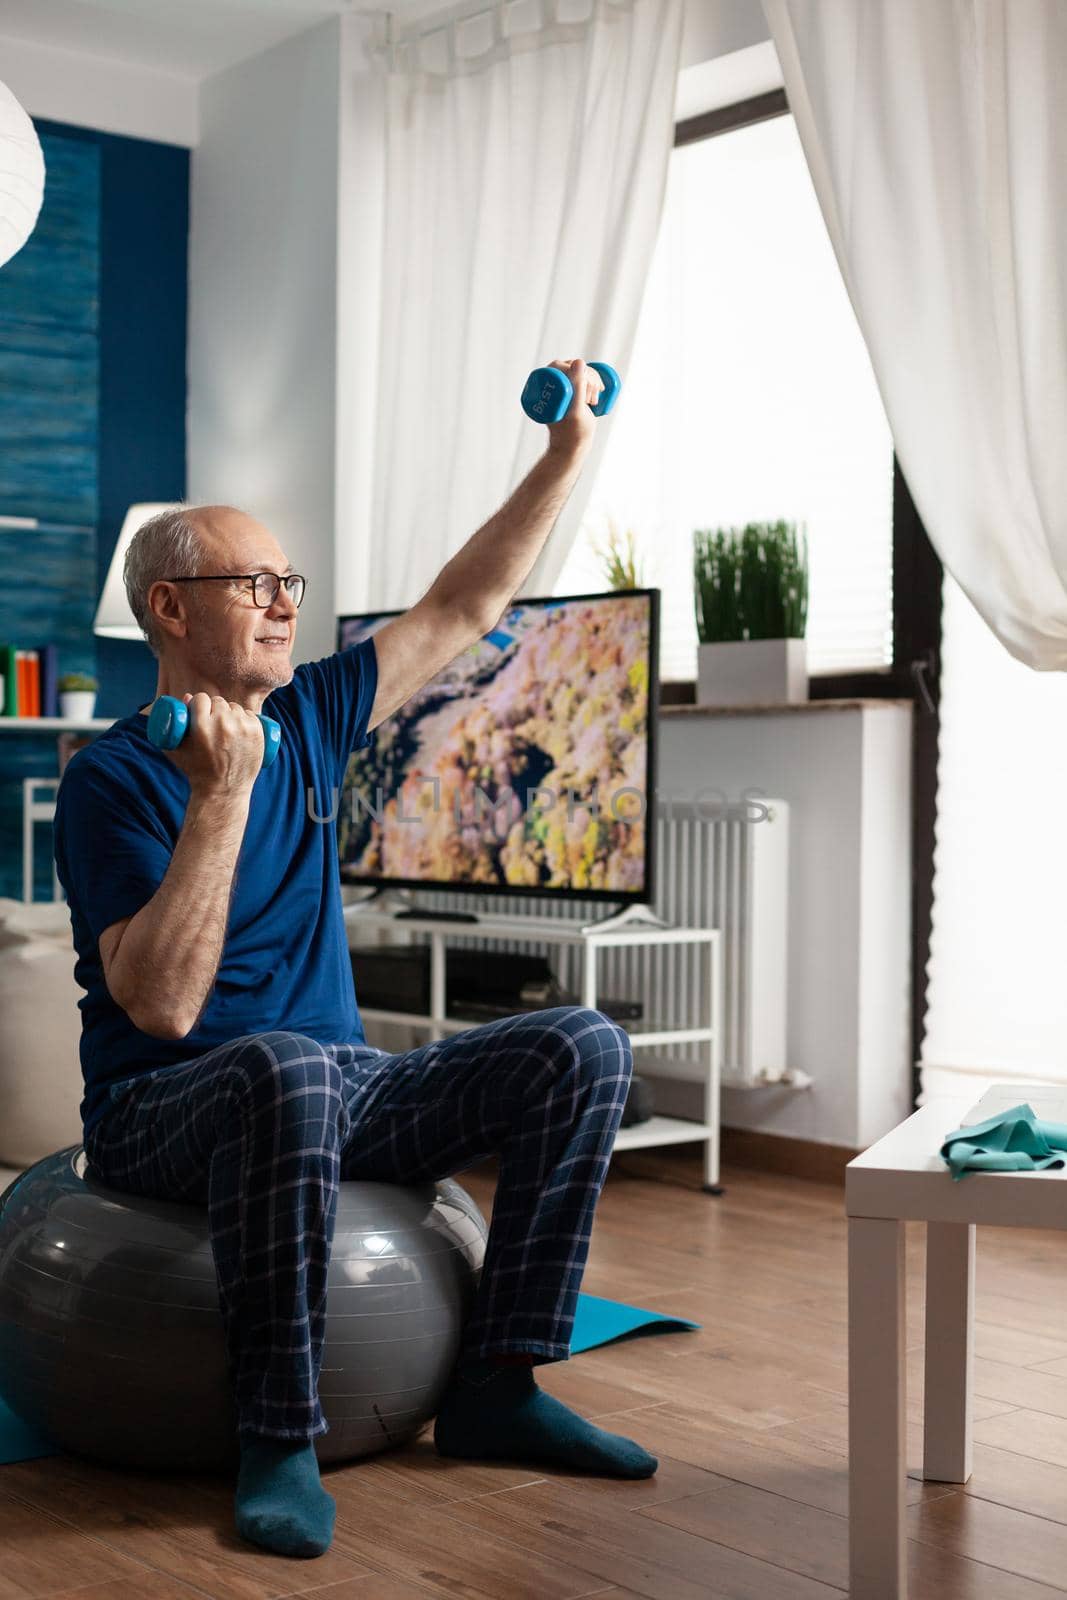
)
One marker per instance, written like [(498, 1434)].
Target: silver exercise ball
[(112, 1340)]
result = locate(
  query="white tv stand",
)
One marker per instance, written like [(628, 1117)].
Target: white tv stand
[(705, 1034)]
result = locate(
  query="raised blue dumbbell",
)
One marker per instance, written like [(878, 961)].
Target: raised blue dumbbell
[(548, 392), (168, 721)]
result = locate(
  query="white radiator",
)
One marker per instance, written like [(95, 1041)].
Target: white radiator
[(724, 867)]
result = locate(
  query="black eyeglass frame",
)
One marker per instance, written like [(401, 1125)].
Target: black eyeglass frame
[(252, 578)]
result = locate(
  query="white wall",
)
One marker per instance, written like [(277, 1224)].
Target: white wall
[(846, 777), (724, 80), (263, 305), (361, 217), (718, 27), (93, 92), (885, 924)]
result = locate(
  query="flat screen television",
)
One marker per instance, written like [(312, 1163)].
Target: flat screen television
[(525, 767)]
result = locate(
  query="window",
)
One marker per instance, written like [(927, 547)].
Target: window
[(996, 1000), (750, 397)]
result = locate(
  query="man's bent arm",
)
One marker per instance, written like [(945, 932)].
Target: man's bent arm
[(164, 968)]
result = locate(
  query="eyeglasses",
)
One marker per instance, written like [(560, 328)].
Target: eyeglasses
[(265, 585)]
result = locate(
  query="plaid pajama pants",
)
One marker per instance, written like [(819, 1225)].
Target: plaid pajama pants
[(263, 1128)]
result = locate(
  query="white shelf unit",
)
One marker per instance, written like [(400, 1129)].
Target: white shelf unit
[(34, 809), (705, 1034), (51, 724)]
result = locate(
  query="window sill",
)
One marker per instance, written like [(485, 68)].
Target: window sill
[(853, 703)]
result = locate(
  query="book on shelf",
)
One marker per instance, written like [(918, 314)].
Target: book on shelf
[(29, 680), (49, 680), (23, 668), (9, 672)]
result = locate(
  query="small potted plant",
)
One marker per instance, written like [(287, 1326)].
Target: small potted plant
[(618, 558), (77, 696), (751, 592)]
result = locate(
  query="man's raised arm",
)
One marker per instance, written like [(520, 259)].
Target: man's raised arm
[(477, 584)]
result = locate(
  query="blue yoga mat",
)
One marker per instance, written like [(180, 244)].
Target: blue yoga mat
[(596, 1322), (601, 1321), (19, 1443)]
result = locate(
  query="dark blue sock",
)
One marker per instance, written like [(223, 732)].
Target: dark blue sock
[(492, 1411), (280, 1501)]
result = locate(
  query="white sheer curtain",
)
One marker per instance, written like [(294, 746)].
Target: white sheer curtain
[(526, 163), (935, 135)]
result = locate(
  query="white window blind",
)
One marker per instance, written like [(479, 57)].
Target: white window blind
[(750, 397), (996, 999)]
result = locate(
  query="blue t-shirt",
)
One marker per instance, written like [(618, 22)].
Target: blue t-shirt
[(284, 963)]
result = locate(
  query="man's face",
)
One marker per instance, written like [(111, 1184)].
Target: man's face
[(231, 639)]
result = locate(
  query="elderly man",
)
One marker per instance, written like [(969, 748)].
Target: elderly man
[(222, 1049)]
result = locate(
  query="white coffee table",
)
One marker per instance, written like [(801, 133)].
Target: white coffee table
[(902, 1179)]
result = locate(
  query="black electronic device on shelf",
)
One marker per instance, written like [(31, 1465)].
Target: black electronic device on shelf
[(479, 984)]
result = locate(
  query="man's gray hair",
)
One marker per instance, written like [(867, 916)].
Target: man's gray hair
[(166, 546)]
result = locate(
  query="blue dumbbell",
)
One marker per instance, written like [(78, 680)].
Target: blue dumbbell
[(548, 393), (169, 719)]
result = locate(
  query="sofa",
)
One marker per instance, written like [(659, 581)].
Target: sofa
[(40, 1026)]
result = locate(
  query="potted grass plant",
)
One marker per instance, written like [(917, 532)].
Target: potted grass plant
[(751, 593), (618, 557), (77, 696)]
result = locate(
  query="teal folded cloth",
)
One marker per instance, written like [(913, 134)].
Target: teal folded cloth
[(1012, 1141)]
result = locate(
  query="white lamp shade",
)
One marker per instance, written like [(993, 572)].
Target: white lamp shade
[(21, 175), (114, 619)]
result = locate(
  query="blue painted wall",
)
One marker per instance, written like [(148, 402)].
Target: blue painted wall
[(92, 416)]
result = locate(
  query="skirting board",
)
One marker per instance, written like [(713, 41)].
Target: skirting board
[(759, 1152), (796, 1158)]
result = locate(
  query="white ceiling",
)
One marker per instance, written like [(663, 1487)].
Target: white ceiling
[(188, 38)]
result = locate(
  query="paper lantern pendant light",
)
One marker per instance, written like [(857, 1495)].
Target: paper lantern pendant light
[(21, 175)]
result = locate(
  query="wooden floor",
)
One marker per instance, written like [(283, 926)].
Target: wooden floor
[(747, 1415)]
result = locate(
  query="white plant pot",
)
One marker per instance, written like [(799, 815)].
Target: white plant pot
[(752, 672), (77, 705)]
